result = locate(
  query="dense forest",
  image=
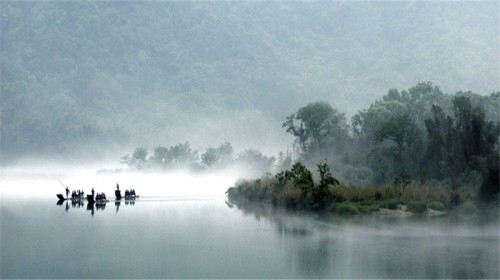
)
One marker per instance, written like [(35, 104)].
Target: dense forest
[(419, 134), (85, 77), (418, 147)]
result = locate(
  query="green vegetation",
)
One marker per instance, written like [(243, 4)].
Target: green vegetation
[(417, 206), (347, 208), (390, 204), (296, 189), (468, 208), (405, 146), (436, 205), (419, 135), (416, 135)]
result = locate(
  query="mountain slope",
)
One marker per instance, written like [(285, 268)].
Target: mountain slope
[(76, 74)]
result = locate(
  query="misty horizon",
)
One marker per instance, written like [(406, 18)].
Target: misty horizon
[(161, 73)]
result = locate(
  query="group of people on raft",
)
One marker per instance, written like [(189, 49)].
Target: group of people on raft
[(75, 195), (129, 194), (99, 197)]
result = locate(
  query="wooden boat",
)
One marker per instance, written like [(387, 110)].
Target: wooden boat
[(61, 197), (91, 199), (101, 201)]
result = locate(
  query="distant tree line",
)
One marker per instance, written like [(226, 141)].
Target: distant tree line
[(182, 156)]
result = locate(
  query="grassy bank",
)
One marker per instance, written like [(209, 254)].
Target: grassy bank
[(296, 189)]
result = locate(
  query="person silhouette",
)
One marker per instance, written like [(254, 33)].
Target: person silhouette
[(67, 192), (118, 194)]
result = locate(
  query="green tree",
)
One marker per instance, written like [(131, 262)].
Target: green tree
[(478, 137), (443, 156), (160, 155), (490, 187), (218, 156), (138, 159), (256, 161), (181, 155), (140, 154), (326, 177), (390, 139), (317, 127)]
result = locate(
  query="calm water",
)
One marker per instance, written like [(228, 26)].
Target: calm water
[(191, 236)]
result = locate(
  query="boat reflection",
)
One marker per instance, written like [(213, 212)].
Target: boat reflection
[(92, 206)]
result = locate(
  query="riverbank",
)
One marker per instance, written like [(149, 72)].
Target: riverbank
[(296, 189)]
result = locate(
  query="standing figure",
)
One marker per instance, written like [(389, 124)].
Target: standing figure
[(67, 192), (118, 194)]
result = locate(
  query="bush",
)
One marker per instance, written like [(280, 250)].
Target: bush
[(347, 208), (417, 206), (291, 196), (390, 204), (368, 208), (437, 205), (456, 198), (468, 208), (338, 193)]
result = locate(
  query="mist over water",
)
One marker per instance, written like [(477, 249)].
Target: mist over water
[(36, 181), (179, 100), (182, 226)]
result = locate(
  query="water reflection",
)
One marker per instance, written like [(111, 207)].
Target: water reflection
[(193, 238), (314, 257), (334, 246), (92, 207)]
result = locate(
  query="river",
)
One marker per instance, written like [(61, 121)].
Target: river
[(181, 226)]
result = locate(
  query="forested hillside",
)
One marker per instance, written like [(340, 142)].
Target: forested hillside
[(89, 76)]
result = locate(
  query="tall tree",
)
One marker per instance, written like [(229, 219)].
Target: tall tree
[(317, 127)]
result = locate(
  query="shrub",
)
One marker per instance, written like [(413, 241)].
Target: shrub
[(291, 196), (468, 208), (390, 204), (417, 206), (232, 192), (456, 198), (368, 208), (346, 208), (338, 193), (437, 205)]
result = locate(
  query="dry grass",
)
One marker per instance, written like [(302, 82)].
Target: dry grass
[(364, 199)]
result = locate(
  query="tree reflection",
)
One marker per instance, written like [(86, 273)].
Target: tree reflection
[(313, 259)]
